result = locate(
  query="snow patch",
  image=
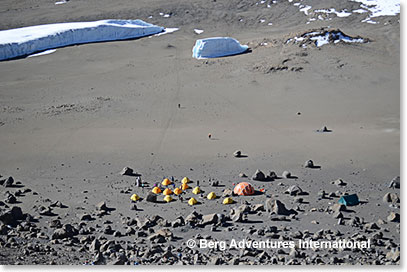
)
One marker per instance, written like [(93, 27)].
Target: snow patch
[(198, 31), (27, 40), (217, 47), (46, 52), (323, 37)]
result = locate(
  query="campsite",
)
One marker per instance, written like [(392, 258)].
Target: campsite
[(133, 132)]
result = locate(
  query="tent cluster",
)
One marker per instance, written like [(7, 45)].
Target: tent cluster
[(242, 189)]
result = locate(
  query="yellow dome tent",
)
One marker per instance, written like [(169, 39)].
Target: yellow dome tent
[(167, 192), (177, 191), (185, 180), (134, 197), (166, 182), (228, 200), (156, 190), (168, 198), (211, 195), (184, 187), (192, 201), (196, 190)]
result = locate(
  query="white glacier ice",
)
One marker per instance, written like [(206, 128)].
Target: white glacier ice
[(27, 40), (217, 47)]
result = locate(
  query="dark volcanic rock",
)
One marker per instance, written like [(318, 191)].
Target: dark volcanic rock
[(151, 198), (7, 182), (10, 216)]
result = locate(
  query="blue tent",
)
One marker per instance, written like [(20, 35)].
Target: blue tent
[(349, 200)]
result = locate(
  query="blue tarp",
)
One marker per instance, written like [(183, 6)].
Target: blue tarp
[(27, 40), (217, 47)]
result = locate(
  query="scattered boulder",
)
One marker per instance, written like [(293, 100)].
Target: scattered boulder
[(286, 175), (10, 198), (227, 193), (67, 231), (393, 255), (237, 154), (294, 190), (395, 182), (339, 182), (277, 207), (7, 182), (101, 206), (151, 197), (309, 164), (393, 217), (391, 198), (127, 171), (338, 208), (272, 175), (157, 237), (259, 176), (209, 219), (242, 175), (178, 222), (237, 216), (10, 216)]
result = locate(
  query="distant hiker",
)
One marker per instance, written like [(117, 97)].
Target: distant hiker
[(172, 178), (138, 182), (179, 106), (197, 183), (181, 198), (209, 135)]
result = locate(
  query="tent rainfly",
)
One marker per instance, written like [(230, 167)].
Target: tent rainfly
[(349, 200)]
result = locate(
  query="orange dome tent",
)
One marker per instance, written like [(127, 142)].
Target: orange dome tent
[(167, 192), (177, 191), (243, 188), (184, 187), (166, 182), (156, 190)]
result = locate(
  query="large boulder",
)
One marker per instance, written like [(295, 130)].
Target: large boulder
[(277, 207), (209, 219), (10, 216), (259, 176)]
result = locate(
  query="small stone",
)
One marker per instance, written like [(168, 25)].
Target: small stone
[(85, 217), (393, 255), (294, 190), (242, 175), (286, 175), (338, 208), (339, 182), (227, 193), (337, 215), (101, 206), (237, 154)]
